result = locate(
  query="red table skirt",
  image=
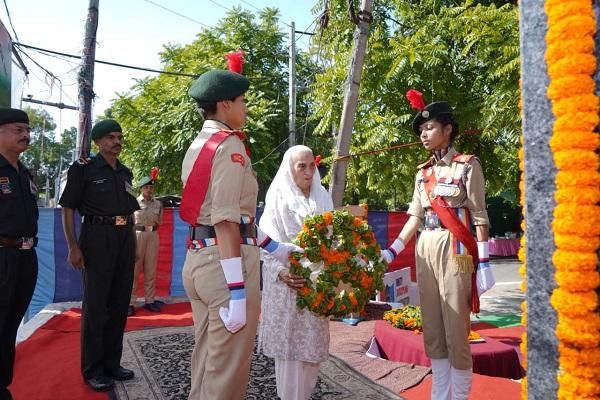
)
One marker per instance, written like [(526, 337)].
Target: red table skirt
[(504, 247), (492, 358)]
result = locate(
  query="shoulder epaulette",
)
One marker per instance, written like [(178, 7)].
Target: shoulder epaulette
[(462, 158), (425, 164), (83, 160)]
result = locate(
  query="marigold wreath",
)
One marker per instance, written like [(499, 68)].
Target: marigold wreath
[(341, 248)]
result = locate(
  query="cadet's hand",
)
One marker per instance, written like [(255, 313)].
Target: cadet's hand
[(292, 280), (387, 256), (391, 252), (76, 257), (234, 317), (283, 250)]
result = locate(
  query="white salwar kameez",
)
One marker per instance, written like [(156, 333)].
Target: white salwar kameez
[(298, 340)]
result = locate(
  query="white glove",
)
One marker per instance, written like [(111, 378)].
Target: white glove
[(279, 250), (485, 278), (391, 252), (234, 317)]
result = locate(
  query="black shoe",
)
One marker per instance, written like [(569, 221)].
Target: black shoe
[(152, 307), (100, 383), (130, 311), (5, 394), (121, 374)]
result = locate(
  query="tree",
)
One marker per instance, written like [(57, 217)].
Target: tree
[(160, 120), (466, 54), (45, 157)]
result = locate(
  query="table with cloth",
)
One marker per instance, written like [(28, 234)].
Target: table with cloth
[(504, 247), (492, 357)]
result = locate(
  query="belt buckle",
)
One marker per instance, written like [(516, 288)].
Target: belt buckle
[(27, 243), (120, 220)]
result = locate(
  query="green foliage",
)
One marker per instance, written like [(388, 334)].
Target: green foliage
[(44, 155), (466, 54), (160, 120)]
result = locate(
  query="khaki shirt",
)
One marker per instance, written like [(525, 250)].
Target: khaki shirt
[(149, 212), (232, 189), (470, 193)]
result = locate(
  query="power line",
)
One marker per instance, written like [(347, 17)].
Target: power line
[(106, 62), (221, 5), (251, 5), (49, 52), (177, 13), (10, 20), (271, 152)]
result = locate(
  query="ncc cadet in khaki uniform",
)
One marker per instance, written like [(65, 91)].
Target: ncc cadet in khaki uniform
[(221, 271), (100, 189), (147, 220), (18, 230), (449, 193)]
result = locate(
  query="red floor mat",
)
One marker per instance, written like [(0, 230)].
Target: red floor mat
[(47, 365), (483, 388)]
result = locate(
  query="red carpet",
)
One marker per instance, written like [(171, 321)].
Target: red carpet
[(47, 364), (484, 388)]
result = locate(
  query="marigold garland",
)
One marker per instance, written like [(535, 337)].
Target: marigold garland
[(576, 243), (407, 317), (523, 269), (350, 254), (571, 61)]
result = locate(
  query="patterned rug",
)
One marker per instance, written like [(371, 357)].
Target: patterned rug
[(161, 359)]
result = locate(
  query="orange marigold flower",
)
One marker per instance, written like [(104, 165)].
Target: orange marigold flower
[(353, 299), (570, 179), (566, 47)]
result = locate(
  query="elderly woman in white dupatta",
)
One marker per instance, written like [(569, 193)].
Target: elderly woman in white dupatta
[(298, 340)]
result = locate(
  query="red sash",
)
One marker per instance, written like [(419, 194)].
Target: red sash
[(196, 186), (455, 226)]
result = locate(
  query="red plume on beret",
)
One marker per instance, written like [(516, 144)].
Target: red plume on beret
[(154, 173), (235, 61), (415, 98)]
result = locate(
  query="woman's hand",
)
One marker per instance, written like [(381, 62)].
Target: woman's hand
[(292, 280)]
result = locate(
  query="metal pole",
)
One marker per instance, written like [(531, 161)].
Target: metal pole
[(292, 87), (86, 80), (338, 177)]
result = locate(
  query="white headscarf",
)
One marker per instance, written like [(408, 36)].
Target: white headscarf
[(284, 196)]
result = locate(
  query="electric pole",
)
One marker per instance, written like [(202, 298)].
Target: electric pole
[(86, 80), (338, 176), (292, 86)]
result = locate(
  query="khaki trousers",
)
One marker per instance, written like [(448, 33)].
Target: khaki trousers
[(445, 300), (220, 360), (147, 251)]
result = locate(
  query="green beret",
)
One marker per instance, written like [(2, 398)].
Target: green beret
[(146, 180), (11, 115), (218, 85), (105, 127), (430, 112)]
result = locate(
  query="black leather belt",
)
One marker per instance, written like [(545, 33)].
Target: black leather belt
[(208, 231), (23, 243), (144, 228), (118, 220)]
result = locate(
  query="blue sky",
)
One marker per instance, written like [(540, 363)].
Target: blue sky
[(129, 32)]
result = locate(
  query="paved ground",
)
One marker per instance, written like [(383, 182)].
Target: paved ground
[(506, 296)]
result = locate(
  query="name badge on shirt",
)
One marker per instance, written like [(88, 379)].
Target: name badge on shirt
[(5, 185), (447, 190)]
